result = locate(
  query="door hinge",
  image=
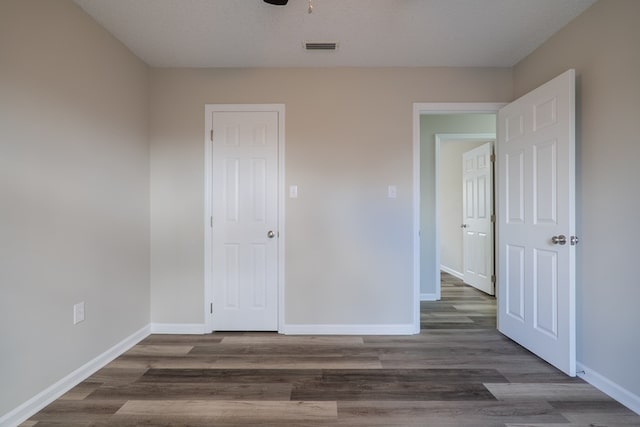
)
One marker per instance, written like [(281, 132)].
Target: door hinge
[(493, 278), (211, 135), (211, 308), (573, 240), (493, 218), (211, 222), (492, 158)]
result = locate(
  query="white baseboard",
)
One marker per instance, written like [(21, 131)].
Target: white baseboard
[(178, 328), (429, 297), (398, 329), (452, 272), (605, 385), (51, 393)]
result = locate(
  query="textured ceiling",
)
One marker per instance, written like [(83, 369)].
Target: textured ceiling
[(370, 33)]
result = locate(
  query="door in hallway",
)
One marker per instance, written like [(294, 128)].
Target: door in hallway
[(477, 212)]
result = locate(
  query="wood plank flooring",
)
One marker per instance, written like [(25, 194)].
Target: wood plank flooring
[(458, 372)]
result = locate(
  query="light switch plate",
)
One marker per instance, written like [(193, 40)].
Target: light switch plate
[(392, 192), (293, 191), (78, 312)]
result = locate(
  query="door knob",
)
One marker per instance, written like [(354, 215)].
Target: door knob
[(559, 240), (464, 225), (271, 234)]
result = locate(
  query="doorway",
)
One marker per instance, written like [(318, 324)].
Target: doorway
[(426, 248), (464, 205)]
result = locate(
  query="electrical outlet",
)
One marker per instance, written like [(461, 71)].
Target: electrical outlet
[(392, 192), (78, 312)]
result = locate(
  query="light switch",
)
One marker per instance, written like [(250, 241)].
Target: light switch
[(392, 192), (293, 191)]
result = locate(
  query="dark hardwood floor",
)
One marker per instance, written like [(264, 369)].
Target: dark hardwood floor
[(458, 372)]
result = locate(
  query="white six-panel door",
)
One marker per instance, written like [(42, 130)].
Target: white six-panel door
[(244, 220), (536, 221), (477, 209)]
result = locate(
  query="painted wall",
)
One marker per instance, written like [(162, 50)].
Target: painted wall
[(602, 45), (74, 179), (430, 125), (450, 202), (348, 136)]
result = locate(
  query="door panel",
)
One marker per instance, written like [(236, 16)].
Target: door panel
[(477, 178), (244, 208), (536, 281)]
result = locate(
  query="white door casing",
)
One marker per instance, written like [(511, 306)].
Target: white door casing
[(244, 218), (477, 211), (536, 209)]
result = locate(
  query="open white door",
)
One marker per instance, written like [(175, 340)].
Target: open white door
[(477, 212), (244, 220), (536, 221)]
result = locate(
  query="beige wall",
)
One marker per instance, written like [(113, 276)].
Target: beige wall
[(450, 201), (430, 125), (603, 45), (348, 136), (74, 203)]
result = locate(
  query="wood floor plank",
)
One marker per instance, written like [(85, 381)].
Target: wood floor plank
[(237, 376), (248, 362), (545, 391), (232, 410), (444, 414), (111, 375), (195, 391), (284, 350), (298, 340), (159, 350), (79, 411)]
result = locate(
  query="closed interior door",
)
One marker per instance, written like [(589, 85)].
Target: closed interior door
[(536, 221), (477, 210), (244, 220)]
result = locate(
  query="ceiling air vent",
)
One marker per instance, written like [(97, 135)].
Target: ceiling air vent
[(321, 46)]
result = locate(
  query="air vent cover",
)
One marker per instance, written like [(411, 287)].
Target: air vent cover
[(321, 45)]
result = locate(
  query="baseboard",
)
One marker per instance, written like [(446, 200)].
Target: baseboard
[(429, 297), (605, 385), (452, 272), (397, 329), (178, 328), (51, 393)]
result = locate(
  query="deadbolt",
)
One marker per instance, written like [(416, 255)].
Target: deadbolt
[(271, 234), (559, 240)]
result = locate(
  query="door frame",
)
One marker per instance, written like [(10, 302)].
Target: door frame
[(419, 109), (209, 109), (461, 137)]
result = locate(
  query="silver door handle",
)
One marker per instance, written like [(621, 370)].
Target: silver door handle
[(271, 234), (559, 240)]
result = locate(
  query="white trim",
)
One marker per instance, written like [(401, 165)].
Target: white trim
[(420, 108), (208, 249), (452, 272), (51, 393), (304, 329), (179, 328), (429, 297), (416, 216), (605, 385)]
